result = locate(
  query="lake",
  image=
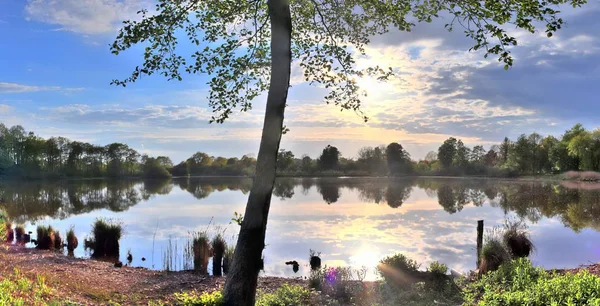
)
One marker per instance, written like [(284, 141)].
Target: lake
[(351, 221)]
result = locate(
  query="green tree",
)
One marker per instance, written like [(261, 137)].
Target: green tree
[(461, 158), (285, 159), (447, 152), (248, 46), (330, 158), (398, 159)]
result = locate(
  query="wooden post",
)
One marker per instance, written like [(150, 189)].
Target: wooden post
[(479, 240)]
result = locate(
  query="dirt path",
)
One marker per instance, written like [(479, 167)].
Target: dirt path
[(96, 283)]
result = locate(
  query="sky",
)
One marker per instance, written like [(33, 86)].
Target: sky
[(56, 69)]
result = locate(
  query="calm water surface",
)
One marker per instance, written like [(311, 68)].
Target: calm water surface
[(352, 221)]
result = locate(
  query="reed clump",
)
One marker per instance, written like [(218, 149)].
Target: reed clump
[(218, 247), (72, 241), (202, 251), (45, 237), (106, 234)]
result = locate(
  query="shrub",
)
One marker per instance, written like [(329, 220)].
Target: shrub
[(438, 268), (286, 295), (201, 249), (106, 234), (519, 283), (45, 237), (396, 269), (218, 247), (214, 298)]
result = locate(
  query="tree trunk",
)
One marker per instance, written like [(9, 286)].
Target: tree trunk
[(240, 287)]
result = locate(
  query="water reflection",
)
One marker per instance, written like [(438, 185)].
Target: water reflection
[(432, 219)]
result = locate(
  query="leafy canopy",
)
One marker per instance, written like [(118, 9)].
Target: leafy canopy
[(232, 40)]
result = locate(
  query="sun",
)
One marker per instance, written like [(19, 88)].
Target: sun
[(365, 256)]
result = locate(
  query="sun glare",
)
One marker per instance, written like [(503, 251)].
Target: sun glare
[(365, 256)]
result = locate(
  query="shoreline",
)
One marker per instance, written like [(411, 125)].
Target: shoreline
[(93, 282), (540, 178)]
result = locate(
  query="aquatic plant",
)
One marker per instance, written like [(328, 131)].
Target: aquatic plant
[(106, 234), (45, 237), (218, 247), (201, 249)]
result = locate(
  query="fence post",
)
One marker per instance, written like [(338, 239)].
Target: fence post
[(479, 240)]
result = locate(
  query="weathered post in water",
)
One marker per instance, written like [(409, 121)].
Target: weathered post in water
[(479, 240)]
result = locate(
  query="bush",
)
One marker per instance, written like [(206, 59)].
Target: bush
[(396, 268), (438, 268), (106, 234), (519, 283), (214, 298), (286, 295)]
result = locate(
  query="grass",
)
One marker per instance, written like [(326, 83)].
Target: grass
[(201, 250), (218, 247), (493, 254), (106, 234), (45, 237), (72, 241)]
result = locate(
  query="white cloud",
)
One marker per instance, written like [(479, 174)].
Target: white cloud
[(84, 16), (20, 88)]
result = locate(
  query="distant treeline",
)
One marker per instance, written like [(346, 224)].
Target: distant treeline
[(23, 154)]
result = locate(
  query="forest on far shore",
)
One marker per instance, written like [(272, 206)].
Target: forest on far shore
[(25, 155)]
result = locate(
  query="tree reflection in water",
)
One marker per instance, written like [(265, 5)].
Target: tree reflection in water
[(577, 206)]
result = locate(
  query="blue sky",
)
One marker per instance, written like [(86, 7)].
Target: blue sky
[(55, 70)]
